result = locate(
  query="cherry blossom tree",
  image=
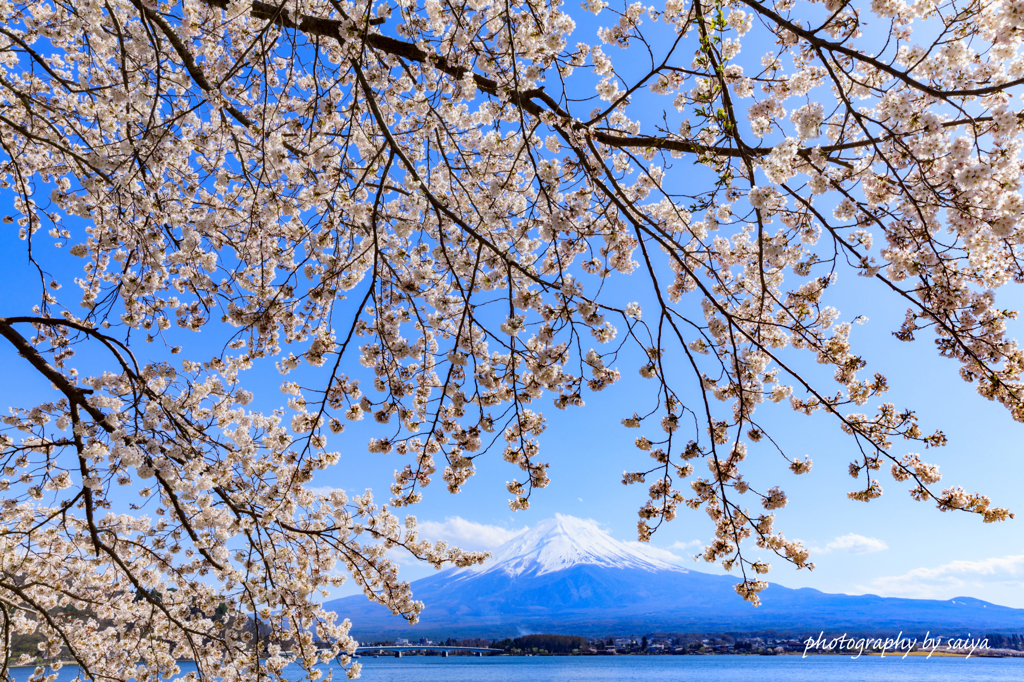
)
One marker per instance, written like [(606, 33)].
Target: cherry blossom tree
[(445, 199)]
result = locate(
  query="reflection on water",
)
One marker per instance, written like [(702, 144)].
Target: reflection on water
[(663, 668)]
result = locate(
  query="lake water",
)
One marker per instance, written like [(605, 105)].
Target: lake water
[(670, 669)]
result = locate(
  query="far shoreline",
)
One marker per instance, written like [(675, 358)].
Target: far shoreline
[(789, 654)]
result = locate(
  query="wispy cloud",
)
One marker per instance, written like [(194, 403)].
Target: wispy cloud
[(681, 546), (656, 552), (467, 534), (324, 489), (471, 535), (853, 544), (954, 578)]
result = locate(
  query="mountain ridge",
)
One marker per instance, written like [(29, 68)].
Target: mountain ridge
[(566, 576)]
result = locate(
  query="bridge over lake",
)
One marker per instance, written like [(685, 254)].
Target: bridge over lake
[(409, 648)]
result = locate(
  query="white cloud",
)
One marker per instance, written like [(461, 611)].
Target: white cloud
[(655, 552), (685, 546), (324, 489), (474, 536), (853, 544), (471, 535), (954, 578), (466, 534)]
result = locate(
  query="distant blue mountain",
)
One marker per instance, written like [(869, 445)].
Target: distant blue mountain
[(565, 576)]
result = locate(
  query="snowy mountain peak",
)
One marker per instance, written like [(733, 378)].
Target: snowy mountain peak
[(564, 541)]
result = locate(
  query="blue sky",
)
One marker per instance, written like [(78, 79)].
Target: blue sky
[(893, 546)]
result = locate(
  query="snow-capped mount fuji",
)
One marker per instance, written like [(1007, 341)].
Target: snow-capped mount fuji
[(562, 542), (567, 576)]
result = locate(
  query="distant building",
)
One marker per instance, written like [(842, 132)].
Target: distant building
[(401, 641)]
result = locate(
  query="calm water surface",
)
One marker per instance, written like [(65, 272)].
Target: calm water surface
[(669, 668)]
